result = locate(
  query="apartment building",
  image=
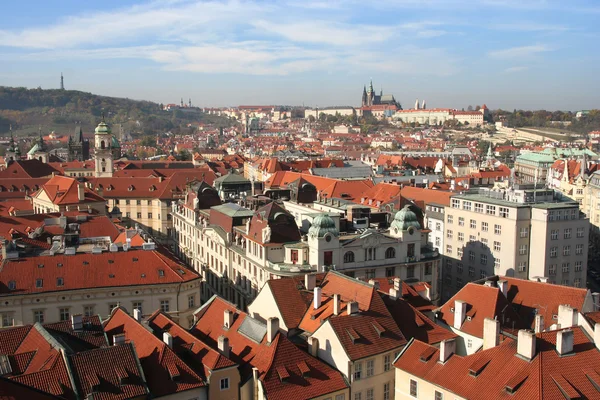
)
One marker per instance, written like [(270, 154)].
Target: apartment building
[(523, 233), (591, 201)]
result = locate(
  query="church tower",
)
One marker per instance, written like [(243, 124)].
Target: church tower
[(102, 150)]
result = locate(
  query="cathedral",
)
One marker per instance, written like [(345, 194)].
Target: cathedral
[(78, 147), (370, 98)]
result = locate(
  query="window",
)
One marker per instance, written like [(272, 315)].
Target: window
[(370, 368), (410, 271), (484, 243), (437, 242), (7, 319), (523, 250), (369, 395), (164, 306), (438, 226), (357, 371), (455, 203), (552, 269), (387, 362), (64, 314), (449, 234), (139, 215), (568, 233), (386, 391), (450, 219), (461, 237), (491, 210), (478, 207), (358, 396), (496, 262), (413, 383), (138, 202), (370, 273), (111, 307), (459, 283), (497, 229), (459, 267), (149, 215), (38, 316), (12, 285), (60, 281), (340, 397), (191, 301), (390, 271), (565, 267), (472, 238), (224, 383), (39, 283), (522, 267), (88, 311), (580, 232), (390, 253), (496, 246), (438, 395), (137, 305), (467, 206), (483, 259), (349, 257), (524, 232), (448, 249), (459, 252), (461, 221), (577, 282), (471, 256), (503, 212), (554, 234), (473, 224), (567, 251), (484, 226), (553, 251), (578, 266), (579, 249), (471, 271)]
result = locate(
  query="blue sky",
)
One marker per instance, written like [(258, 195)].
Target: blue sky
[(508, 54)]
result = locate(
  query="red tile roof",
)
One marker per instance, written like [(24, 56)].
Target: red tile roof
[(12, 390), (62, 190), (327, 187), (27, 169)]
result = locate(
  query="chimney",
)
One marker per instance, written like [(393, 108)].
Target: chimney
[(137, 315), (394, 294), (374, 283), (543, 279), (564, 342), (427, 293), (168, 339), (597, 335), (596, 297), (489, 283), (491, 332), (336, 304), (526, 344), (503, 286), (77, 322), (317, 297), (272, 328), (81, 192), (227, 319), (398, 285), (313, 344), (310, 281), (567, 316), (223, 343), (119, 339), (460, 312), (539, 323), (352, 307), (447, 348)]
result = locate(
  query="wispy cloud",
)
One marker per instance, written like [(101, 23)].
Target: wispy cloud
[(519, 52)]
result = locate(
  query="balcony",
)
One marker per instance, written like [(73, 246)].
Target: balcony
[(289, 269)]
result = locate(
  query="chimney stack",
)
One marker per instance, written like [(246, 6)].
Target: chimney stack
[(460, 312), (310, 281), (352, 307), (317, 297), (168, 339), (119, 339), (398, 285), (491, 332), (374, 283), (503, 286), (394, 294), (81, 192), (77, 322), (272, 328), (227, 319), (526, 344), (313, 344), (336, 304), (137, 315), (447, 348), (539, 323), (567, 316), (564, 341), (223, 343)]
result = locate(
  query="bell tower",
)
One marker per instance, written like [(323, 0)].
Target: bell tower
[(102, 150)]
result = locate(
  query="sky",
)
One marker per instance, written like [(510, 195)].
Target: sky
[(529, 54)]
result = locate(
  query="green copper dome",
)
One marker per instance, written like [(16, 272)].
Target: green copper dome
[(102, 128), (406, 218), (114, 142), (34, 149), (322, 225)]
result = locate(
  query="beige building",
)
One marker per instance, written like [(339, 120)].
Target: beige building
[(63, 194), (506, 233)]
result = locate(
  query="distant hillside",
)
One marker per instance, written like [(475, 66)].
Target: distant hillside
[(60, 110)]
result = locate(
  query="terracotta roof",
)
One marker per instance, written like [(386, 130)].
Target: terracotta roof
[(62, 190), (271, 359), (379, 193), (18, 188), (327, 187), (27, 169), (86, 270), (282, 223), (90, 336), (547, 376), (11, 390), (426, 195), (165, 372), (291, 302)]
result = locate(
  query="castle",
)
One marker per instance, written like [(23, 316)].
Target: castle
[(369, 98)]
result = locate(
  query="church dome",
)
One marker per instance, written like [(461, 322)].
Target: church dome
[(406, 218), (322, 225), (102, 128), (114, 142)]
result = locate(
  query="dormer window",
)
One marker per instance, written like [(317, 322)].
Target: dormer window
[(12, 285), (39, 283)]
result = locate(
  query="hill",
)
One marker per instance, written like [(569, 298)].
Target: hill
[(60, 110)]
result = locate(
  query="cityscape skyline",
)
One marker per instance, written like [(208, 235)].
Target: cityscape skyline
[(503, 53)]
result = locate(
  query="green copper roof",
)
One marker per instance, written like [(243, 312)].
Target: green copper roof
[(102, 128), (322, 225), (406, 218)]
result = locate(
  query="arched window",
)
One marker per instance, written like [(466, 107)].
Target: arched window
[(102, 145), (349, 257), (390, 252)]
